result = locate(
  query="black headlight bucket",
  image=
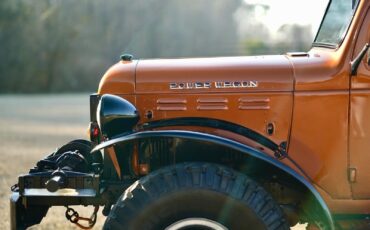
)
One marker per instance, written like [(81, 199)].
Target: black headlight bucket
[(116, 115)]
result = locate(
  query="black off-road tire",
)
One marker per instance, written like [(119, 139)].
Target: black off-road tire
[(202, 191)]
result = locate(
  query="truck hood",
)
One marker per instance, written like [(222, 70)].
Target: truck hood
[(249, 91), (199, 75), (208, 75)]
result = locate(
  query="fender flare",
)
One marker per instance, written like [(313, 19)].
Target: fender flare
[(278, 149), (204, 137)]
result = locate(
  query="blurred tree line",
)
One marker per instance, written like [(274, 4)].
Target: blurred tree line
[(256, 37), (67, 45)]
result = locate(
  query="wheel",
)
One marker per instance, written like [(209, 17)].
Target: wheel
[(196, 196)]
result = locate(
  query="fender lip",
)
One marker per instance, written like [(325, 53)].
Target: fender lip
[(227, 143)]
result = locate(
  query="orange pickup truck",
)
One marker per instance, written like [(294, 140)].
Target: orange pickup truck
[(260, 142)]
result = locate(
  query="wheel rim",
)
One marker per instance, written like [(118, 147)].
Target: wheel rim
[(193, 223)]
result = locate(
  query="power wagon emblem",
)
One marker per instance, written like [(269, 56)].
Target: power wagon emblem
[(217, 85)]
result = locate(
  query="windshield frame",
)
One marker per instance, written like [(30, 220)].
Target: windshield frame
[(331, 45)]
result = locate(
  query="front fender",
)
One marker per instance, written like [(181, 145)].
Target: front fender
[(251, 152)]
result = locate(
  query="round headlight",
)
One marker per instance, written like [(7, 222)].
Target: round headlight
[(116, 115)]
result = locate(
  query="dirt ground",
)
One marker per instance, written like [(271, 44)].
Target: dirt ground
[(30, 128)]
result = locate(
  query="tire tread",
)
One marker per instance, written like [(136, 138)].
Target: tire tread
[(196, 175)]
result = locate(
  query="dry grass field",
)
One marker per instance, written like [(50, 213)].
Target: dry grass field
[(30, 128)]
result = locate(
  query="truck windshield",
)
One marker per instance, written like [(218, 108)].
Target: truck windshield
[(335, 23)]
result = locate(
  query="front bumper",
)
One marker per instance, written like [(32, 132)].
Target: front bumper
[(30, 200)]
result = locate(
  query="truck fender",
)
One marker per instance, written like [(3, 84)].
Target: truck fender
[(251, 152)]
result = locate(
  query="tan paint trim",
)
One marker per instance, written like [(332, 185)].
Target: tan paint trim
[(113, 157)]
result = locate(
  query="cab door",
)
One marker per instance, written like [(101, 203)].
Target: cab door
[(359, 132)]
